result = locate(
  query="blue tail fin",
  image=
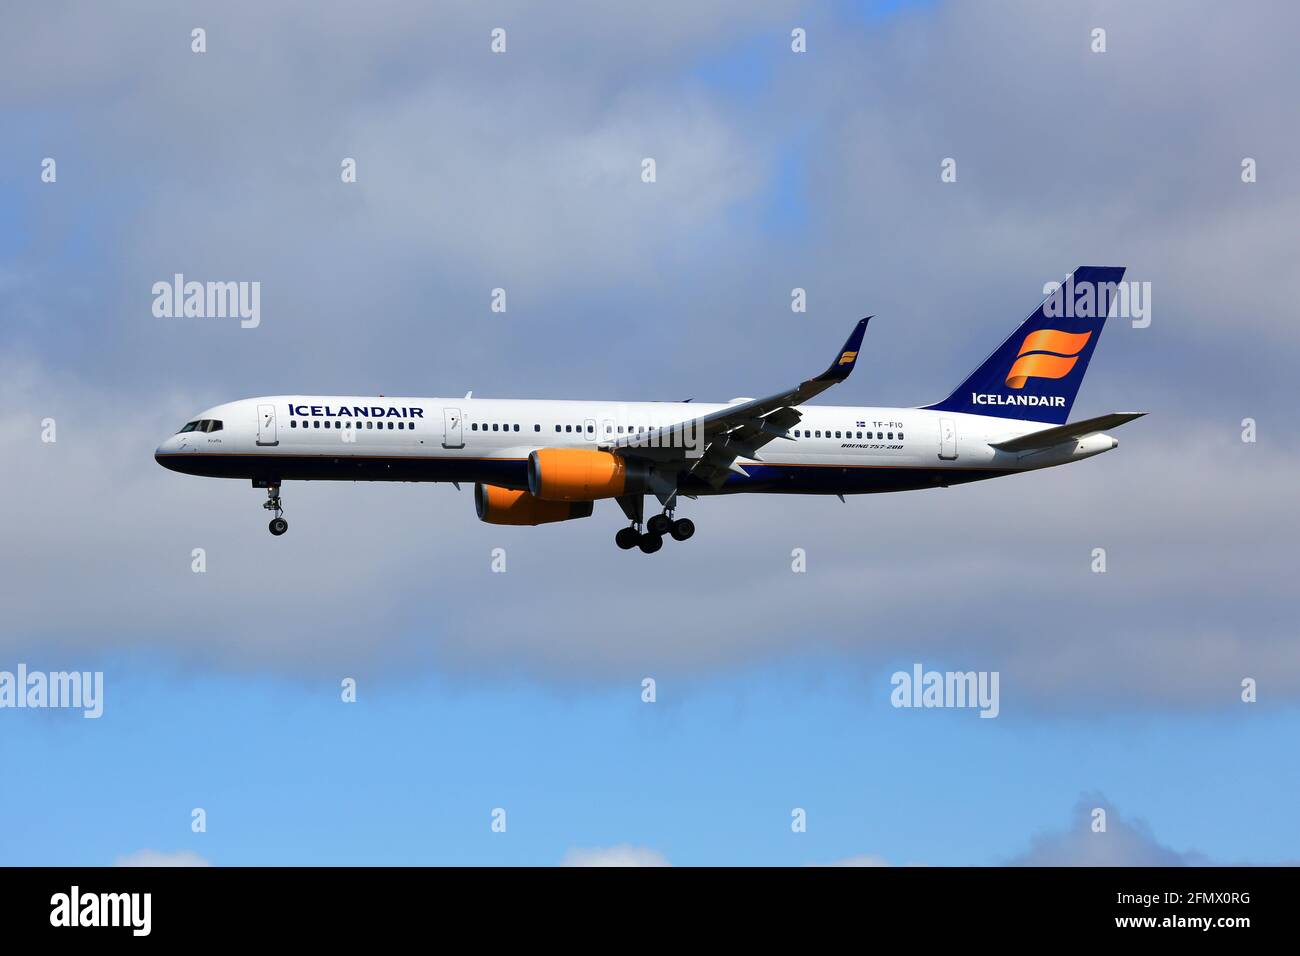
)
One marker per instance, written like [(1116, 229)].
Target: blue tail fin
[(1035, 374)]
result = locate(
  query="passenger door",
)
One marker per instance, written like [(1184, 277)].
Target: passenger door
[(453, 435), (266, 434), (947, 439)]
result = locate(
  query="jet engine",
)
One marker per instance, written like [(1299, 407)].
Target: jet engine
[(583, 474), (497, 505)]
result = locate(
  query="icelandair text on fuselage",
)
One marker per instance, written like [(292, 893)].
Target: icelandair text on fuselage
[(1052, 401), (355, 411)]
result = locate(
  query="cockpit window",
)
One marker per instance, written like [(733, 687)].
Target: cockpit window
[(202, 425)]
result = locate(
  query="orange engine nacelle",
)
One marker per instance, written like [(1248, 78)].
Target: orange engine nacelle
[(582, 474), (497, 505)]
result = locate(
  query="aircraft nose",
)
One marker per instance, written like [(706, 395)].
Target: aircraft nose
[(162, 451)]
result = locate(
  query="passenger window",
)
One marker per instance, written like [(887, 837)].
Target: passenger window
[(494, 427), (837, 434), (900, 436), (516, 428), (293, 423), (568, 428), (537, 428), (891, 436), (474, 427)]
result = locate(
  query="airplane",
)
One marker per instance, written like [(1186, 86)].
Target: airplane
[(536, 462)]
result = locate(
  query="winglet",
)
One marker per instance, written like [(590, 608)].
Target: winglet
[(848, 356)]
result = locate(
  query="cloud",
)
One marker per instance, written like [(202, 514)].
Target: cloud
[(523, 171), (1124, 842), (161, 858), (1160, 628), (621, 855), (862, 860)]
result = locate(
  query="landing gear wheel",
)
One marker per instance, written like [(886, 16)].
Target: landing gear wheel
[(651, 542), (627, 538), (278, 526), (682, 529), (658, 525)]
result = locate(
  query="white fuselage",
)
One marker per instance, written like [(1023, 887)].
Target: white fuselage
[(833, 449)]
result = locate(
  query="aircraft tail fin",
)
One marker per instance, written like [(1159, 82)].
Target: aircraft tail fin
[(1035, 374)]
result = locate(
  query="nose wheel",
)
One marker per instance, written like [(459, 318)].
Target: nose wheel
[(278, 525)]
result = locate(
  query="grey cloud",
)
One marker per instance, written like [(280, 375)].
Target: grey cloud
[(377, 578), (1125, 842), (477, 172)]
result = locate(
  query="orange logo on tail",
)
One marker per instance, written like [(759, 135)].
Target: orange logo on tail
[(847, 358), (1047, 353)]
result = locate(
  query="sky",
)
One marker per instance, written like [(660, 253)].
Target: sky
[(485, 698)]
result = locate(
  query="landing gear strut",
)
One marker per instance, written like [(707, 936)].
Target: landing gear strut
[(278, 525)]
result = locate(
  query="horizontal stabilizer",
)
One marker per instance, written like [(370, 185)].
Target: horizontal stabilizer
[(1063, 433)]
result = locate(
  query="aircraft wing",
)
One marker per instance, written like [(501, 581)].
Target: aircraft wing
[(1063, 433), (708, 446)]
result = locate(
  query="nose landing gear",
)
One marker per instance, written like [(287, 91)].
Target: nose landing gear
[(278, 525)]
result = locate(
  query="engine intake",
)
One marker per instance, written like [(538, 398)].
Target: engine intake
[(497, 505), (582, 474)]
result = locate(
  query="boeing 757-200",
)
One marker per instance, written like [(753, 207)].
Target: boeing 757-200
[(534, 462)]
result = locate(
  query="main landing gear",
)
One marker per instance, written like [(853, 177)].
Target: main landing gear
[(652, 538), (278, 525)]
